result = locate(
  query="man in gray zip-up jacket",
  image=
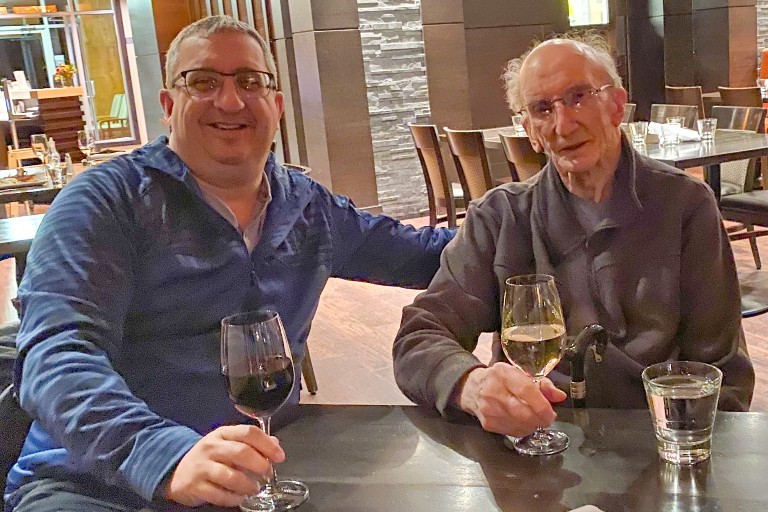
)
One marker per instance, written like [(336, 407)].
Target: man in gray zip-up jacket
[(635, 246)]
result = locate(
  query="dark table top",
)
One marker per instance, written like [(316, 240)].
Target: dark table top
[(386, 458), (728, 145)]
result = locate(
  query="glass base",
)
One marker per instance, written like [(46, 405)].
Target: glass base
[(288, 495), (541, 442)]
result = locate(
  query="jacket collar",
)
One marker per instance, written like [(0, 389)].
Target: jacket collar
[(291, 192), (555, 214)]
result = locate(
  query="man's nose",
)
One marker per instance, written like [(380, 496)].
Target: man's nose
[(564, 120), (228, 99)]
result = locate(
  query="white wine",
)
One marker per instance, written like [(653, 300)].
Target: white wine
[(535, 349)]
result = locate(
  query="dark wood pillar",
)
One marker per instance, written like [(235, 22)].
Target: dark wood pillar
[(467, 45), (334, 104)]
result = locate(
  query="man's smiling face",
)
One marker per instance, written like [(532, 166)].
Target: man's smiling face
[(226, 131)]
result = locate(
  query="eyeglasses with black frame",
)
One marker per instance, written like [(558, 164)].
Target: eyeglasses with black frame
[(206, 83), (541, 111)]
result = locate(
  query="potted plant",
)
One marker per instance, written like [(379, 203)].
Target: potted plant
[(64, 75)]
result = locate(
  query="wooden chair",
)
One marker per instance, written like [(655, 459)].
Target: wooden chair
[(686, 95), (660, 113), (442, 195), (471, 161), (303, 169), (629, 112), (745, 205), (741, 96), (17, 156), (523, 161)]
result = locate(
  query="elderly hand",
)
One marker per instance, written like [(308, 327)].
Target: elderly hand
[(507, 401), (216, 469)]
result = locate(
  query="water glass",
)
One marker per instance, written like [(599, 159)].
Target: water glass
[(638, 130), (670, 133), (517, 122), (707, 128), (682, 397)]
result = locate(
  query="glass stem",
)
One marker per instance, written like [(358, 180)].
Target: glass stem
[(264, 423)]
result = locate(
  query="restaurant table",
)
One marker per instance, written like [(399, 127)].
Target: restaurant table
[(728, 145), (16, 234), (387, 458)]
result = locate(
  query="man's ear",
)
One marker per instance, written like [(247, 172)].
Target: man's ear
[(619, 101), (166, 101), (532, 135)]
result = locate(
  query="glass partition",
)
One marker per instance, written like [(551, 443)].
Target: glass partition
[(588, 12)]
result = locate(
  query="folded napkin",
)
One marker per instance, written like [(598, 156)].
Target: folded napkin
[(685, 134), (587, 508)]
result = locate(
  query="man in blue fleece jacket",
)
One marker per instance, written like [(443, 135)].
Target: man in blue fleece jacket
[(136, 263)]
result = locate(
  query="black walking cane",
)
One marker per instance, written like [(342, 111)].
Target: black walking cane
[(591, 336)]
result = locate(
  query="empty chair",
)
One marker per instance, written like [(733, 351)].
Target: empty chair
[(442, 195), (629, 112), (686, 95), (660, 113), (523, 161), (741, 96), (740, 202), (471, 161)]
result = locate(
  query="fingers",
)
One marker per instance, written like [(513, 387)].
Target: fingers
[(218, 467), (507, 401), (551, 392)]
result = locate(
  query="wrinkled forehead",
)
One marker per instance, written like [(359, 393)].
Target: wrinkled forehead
[(223, 51), (557, 66)]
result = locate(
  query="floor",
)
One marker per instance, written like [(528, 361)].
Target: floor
[(351, 338)]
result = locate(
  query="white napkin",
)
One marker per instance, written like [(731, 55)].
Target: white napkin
[(587, 508), (685, 134)]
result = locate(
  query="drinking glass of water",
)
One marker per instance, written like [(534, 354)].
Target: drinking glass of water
[(39, 143), (86, 142), (533, 339), (682, 397)]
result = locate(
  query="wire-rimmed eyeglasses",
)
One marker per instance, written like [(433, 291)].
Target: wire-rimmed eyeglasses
[(541, 111), (206, 83)]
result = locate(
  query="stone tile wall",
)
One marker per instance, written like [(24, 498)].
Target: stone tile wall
[(395, 73)]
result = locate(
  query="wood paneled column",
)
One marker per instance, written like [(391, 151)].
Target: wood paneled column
[(467, 45), (334, 103)]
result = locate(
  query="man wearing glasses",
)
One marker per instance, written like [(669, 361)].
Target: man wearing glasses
[(139, 259), (635, 246)]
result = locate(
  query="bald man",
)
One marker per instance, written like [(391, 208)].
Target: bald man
[(634, 245)]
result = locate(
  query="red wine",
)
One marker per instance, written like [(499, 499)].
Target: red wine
[(261, 393)]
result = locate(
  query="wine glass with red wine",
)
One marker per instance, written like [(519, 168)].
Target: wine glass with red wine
[(256, 360)]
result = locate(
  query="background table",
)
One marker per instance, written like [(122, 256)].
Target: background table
[(379, 458), (727, 146), (16, 234)]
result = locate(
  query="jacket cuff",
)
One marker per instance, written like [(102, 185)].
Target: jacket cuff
[(447, 376)]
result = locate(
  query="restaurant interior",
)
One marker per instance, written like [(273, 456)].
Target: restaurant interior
[(360, 77)]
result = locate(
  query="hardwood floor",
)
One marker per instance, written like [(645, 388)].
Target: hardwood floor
[(351, 338)]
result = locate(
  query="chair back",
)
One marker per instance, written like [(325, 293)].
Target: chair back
[(738, 176), (741, 96), (629, 112), (303, 169), (686, 95), (523, 160), (471, 161), (660, 113), (439, 192)]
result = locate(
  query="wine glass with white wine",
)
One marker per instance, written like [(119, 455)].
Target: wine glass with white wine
[(533, 339), (86, 142)]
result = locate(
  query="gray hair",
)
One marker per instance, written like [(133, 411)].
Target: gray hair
[(205, 28), (594, 45)]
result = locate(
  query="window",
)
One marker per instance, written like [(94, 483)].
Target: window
[(588, 12)]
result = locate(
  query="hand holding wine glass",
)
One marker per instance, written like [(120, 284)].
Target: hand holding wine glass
[(256, 361), (533, 336)]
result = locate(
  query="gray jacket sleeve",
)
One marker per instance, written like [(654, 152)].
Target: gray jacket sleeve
[(433, 348), (710, 324)]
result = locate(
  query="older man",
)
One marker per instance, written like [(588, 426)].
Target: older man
[(634, 245), (137, 262)]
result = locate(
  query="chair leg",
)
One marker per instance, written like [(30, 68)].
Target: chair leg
[(29, 206), (753, 246), (308, 371)]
